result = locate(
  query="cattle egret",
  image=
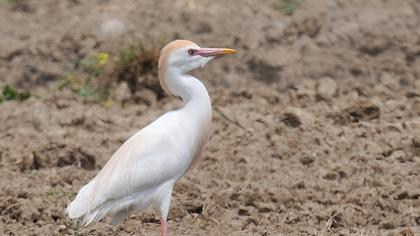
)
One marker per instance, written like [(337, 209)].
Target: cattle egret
[(143, 171)]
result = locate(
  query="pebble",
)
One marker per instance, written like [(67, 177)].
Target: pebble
[(112, 27), (326, 88), (62, 228)]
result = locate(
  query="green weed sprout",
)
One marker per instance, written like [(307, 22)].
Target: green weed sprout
[(289, 6), (90, 82), (10, 93)]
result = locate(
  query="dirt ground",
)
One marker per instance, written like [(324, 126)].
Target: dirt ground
[(316, 123)]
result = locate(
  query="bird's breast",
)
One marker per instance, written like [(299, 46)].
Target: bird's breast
[(200, 136)]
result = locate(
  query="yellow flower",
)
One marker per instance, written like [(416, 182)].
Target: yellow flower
[(108, 103), (102, 58)]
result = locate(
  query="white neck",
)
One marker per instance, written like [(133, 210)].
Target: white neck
[(196, 110), (190, 89)]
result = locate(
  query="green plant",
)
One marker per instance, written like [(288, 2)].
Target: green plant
[(95, 76), (289, 6), (136, 60), (7, 1), (10, 93), (91, 79)]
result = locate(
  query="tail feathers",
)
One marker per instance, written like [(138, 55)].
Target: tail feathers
[(118, 209), (81, 209), (92, 217), (84, 209), (89, 217), (81, 205), (86, 214)]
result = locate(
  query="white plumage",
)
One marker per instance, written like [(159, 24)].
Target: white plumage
[(143, 171)]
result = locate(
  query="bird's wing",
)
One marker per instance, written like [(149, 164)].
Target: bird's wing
[(144, 161)]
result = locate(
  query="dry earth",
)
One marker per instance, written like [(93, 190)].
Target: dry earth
[(316, 127)]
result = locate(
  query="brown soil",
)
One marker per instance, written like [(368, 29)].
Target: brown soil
[(316, 127)]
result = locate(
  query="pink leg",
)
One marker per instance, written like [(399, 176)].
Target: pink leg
[(164, 228)]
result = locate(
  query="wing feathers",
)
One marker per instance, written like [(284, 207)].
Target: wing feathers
[(136, 168)]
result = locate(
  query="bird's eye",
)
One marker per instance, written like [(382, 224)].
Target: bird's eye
[(191, 52)]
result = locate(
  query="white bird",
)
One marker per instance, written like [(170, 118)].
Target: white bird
[(143, 171)]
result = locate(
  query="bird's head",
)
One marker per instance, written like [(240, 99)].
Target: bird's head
[(184, 56)]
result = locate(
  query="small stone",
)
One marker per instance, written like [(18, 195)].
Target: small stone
[(398, 155), (373, 148), (416, 107), (273, 33), (306, 160), (295, 117), (330, 176), (416, 142), (122, 93), (299, 185), (306, 43), (61, 228), (276, 156), (243, 212), (112, 27), (178, 212), (246, 94), (407, 232), (388, 225), (23, 195), (416, 146), (363, 113), (265, 210), (403, 195), (389, 81), (326, 88), (291, 120)]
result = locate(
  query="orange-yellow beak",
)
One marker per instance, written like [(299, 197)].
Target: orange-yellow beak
[(213, 52)]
